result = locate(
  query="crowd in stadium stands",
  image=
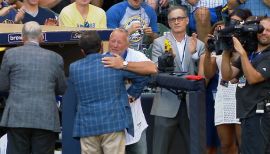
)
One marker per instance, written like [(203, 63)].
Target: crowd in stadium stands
[(140, 28)]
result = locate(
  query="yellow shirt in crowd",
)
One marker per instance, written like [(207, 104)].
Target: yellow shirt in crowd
[(70, 17)]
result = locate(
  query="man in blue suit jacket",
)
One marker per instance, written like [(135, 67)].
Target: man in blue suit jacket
[(103, 111)]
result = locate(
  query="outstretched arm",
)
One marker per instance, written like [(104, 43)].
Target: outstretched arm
[(145, 67), (251, 74), (138, 83)]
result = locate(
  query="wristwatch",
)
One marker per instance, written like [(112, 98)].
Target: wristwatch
[(125, 65)]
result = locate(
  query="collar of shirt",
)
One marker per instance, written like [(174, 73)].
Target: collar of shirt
[(253, 55), (181, 47), (133, 8), (124, 55), (32, 42), (33, 14)]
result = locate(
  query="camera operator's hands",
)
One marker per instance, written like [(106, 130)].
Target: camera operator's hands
[(192, 43), (238, 47), (115, 62), (209, 46)]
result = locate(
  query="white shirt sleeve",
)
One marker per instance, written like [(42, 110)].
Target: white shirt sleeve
[(136, 56)]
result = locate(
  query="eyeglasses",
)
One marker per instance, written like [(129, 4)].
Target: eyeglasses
[(176, 19)]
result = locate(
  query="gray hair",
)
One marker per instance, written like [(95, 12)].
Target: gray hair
[(31, 30), (177, 7), (121, 30)]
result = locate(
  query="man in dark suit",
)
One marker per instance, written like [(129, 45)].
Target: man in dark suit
[(32, 76), (103, 111)]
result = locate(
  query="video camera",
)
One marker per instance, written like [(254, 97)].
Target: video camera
[(166, 62), (246, 32), (173, 81)]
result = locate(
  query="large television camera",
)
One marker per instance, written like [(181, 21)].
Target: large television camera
[(169, 79), (246, 32), (166, 60)]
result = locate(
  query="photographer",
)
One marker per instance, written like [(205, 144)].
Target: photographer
[(252, 89)]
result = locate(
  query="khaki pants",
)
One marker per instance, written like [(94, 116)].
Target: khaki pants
[(112, 143)]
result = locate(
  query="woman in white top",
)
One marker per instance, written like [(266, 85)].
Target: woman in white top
[(228, 126)]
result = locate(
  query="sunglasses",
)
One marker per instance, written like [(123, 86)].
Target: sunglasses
[(177, 19)]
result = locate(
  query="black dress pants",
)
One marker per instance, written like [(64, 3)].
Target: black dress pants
[(30, 141), (165, 130)]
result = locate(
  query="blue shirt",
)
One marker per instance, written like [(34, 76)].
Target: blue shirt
[(257, 7), (10, 17), (41, 17), (124, 15)]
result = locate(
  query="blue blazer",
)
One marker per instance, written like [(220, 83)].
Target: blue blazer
[(103, 105)]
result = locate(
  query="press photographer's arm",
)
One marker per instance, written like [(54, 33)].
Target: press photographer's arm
[(251, 74), (253, 89)]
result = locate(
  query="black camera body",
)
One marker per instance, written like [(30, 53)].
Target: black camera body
[(264, 105), (246, 32), (166, 62)]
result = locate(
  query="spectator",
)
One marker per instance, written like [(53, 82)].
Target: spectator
[(252, 89), (54, 5), (135, 16), (258, 8), (33, 76), (8, 13), (110, 3), (82, 14), (32, 12), (97, 3), (137, 62), (170, 112), (103, 111), (155, 4), (204, 14)]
